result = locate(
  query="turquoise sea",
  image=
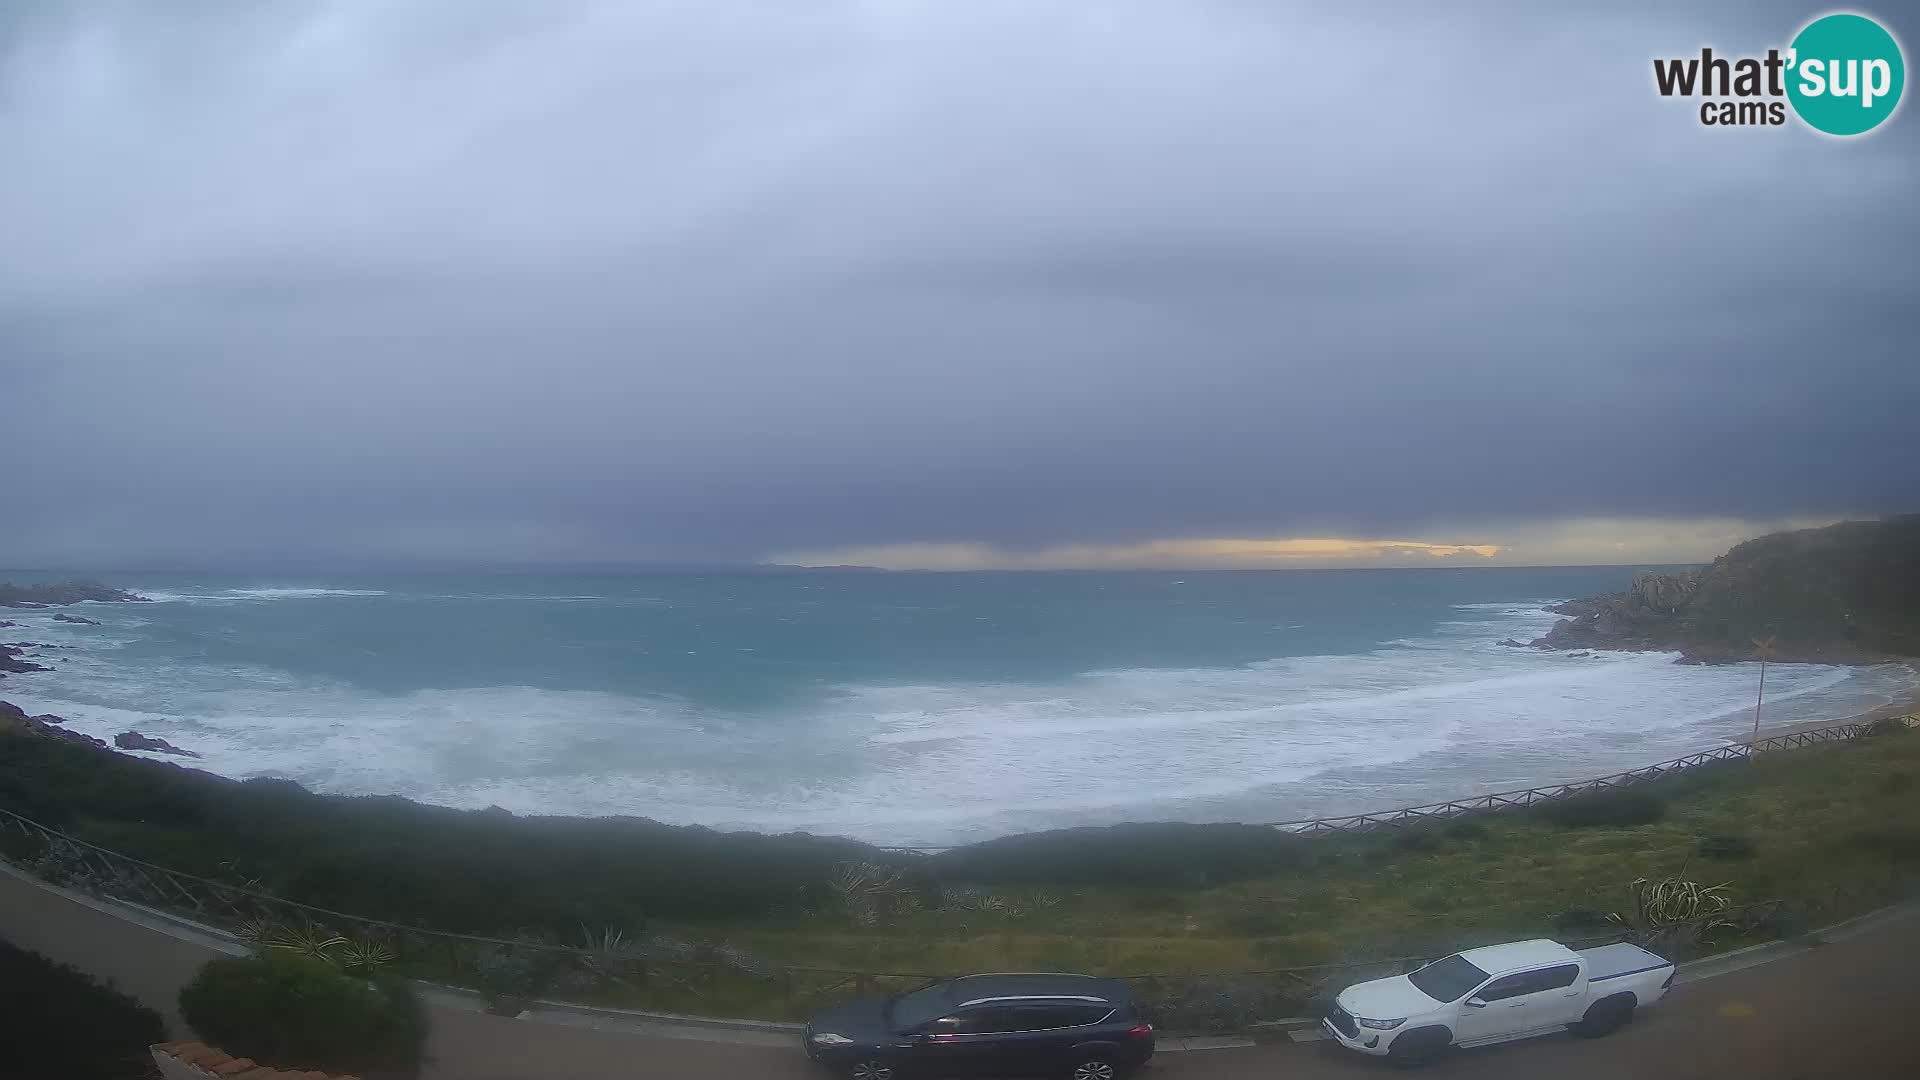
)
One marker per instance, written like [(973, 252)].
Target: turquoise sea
[(901, 708)]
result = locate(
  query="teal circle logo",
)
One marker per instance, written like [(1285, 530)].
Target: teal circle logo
[(1845, 74)]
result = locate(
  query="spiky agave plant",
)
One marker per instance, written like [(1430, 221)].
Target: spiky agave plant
[(363, 957), (1673, 901), (609, 956), (308, 939)]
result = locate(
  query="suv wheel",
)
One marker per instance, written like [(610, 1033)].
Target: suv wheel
[(870, 1069), (1094, 1068)]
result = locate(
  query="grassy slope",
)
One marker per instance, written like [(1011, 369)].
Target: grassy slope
[(1837, 827), (1838, 824)]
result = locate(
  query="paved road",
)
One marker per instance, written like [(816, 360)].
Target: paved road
[(1841, 1011)]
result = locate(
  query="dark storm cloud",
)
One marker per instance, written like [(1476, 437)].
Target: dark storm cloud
[(603, 281)]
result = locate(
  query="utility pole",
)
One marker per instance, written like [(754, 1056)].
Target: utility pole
[(1765, 647)]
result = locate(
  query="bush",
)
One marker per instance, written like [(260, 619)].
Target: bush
[(1582, 922), (1896, 783), (297, 1012), (1607, 809), (58, 1022), (1157, 854), (1726, 846), (1466, 830), (1257, 923), (1419, 840), (1888, 841)]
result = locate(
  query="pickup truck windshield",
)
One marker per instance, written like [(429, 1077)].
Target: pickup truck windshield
[(1448, 979)]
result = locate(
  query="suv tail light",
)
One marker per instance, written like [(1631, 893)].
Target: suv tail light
[(1140, 1031)]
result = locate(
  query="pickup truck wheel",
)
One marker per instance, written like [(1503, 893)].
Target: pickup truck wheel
[(1606, 1016), (870, 1069), (1419, 1046)]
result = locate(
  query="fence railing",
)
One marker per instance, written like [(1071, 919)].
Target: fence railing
[(663, 972), (1521, 798)]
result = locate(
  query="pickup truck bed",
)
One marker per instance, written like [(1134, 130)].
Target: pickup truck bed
[(1618, 960)]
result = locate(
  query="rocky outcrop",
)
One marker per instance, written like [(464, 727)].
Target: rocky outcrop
[(14, 720), (1844, 594), (7, 624), (10, 660), (79, 619), (133, 740), (61, 593)]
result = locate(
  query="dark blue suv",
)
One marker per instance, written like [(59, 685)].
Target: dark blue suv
[(1074, 1026)]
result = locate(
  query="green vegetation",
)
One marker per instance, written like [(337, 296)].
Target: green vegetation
[(1854, 585), (58, 1022), (695, 920), (295, 1011)]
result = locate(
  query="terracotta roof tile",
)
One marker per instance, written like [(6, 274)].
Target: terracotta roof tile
[(220, 1064)]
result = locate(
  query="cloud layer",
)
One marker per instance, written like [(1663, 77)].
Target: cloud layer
[(717, 281)]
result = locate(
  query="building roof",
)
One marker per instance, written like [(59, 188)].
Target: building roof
[(1539, 952)]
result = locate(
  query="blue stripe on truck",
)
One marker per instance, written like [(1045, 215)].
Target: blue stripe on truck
[(1624, 974)]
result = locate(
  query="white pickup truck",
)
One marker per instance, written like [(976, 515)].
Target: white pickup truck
[(1497, 994)]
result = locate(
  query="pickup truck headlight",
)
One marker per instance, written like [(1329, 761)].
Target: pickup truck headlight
[(1380, 1025), (828, 1038)]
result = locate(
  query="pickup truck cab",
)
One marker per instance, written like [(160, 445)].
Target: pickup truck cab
[(1497, 994)]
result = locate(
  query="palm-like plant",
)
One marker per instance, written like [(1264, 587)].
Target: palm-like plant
[(610, 956), (364, 957), (307, 939)]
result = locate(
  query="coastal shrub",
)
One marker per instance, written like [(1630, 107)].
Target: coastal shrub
[(1466, 830), (56, 1021), (1418, 840), (475, 872), (1896, 783), (1160, 853), (1256, 922), (1581, 922), (1606, 809), (1888, 841), (297, 1012), (511, 978), (1727, 846)]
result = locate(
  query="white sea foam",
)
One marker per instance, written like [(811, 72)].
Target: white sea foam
[(1425, 719), (280, 592)]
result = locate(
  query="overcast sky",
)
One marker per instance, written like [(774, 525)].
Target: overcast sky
[(960, 283)]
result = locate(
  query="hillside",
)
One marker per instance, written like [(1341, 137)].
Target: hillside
[(1846, 593)]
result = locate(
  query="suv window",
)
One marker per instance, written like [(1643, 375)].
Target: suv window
[(980, 1021), (1045, 1017), (1554, 978)]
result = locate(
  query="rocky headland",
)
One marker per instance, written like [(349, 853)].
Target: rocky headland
[(1843, 594), (62, 593)]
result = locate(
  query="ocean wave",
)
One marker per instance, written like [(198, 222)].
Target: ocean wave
[(1438, 716), (265, 593)]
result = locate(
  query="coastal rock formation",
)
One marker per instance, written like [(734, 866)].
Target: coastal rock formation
[(64, 617), (10, 662), (1844, 594), (14, 720), (133, 740), (61, 593), (5, 623)]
